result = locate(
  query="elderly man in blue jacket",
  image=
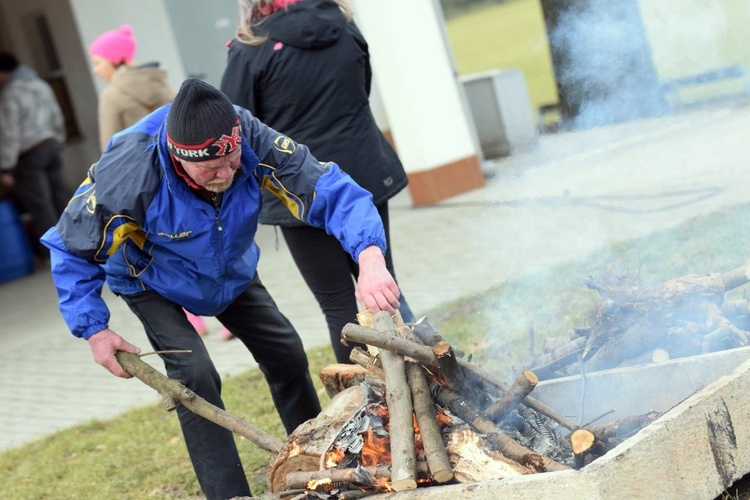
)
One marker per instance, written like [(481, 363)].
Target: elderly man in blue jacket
[(167, 217)]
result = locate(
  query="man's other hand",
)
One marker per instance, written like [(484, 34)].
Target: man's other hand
[(376, 288), (104, 344)]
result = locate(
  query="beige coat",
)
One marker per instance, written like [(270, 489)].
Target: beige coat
[(132, 94)]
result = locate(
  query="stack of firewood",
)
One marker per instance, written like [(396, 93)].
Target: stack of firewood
[(637, 323), (471, 426)]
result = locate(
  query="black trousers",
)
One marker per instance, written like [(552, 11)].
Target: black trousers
[(328, 271), (255, 319), (39, 185)]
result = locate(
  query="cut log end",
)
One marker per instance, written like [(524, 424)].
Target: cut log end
[(442, 476), (442, 348), (530, 377), (582, 440), (403, 485)]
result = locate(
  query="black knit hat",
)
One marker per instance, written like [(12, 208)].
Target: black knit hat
[(202, 123)]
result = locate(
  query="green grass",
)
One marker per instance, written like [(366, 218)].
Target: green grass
[(510, 35), (141, 454)]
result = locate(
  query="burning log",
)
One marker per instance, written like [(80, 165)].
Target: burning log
[(425, 356), (453, 374), (398, 398), (305, 448), (509, 401), (424, 411), (359, 476), (174, 392), (473, 461), (494, 435)]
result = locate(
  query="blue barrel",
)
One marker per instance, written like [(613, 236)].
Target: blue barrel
[(16, 255)]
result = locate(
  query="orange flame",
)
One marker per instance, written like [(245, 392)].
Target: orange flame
[(333, 457), (318, 484), (376, 450)]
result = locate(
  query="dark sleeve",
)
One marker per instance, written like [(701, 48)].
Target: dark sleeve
[(362, 44), (238, 81)]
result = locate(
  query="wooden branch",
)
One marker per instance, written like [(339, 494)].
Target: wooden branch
[(424, 410), (504, 443), (430, 336), (637, 339), (340, 376), (509, 401), (736, 277), (560, 356), (623, 426), (367, 361), (425, 356), (721, 328), (360, 475), (172, 390), (401, 422)]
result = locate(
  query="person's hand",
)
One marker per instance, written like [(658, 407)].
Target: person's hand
[(6, 181), (104, 344), (376, 288)]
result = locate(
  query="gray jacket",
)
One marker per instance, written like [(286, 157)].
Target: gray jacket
[(29, 115)]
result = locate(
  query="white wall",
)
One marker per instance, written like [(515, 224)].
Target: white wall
[(417, 84)]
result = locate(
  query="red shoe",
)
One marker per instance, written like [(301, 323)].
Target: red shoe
[(198, 323), (226, 334)]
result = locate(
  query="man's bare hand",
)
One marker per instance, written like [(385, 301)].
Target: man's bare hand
[(104, 344), (376, 288)]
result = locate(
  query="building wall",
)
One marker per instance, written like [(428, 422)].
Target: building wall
[(22, 39), (203, 56)]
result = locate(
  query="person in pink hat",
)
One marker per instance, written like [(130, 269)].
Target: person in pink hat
[(133, 91)]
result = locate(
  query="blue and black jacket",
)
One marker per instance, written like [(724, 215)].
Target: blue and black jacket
[(137, 225)]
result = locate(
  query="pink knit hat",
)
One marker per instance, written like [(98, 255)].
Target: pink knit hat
[(117, 46)]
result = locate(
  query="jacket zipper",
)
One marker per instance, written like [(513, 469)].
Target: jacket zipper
[(215, 201)]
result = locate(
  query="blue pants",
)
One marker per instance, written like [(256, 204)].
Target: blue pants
[(255, 319)]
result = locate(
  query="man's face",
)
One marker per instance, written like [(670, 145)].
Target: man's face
[(214, 175)]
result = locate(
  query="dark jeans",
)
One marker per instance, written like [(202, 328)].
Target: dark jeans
[(328, 270), (39, 185), (269, 336)]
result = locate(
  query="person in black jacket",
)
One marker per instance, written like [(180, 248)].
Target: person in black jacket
[(303, 68)]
